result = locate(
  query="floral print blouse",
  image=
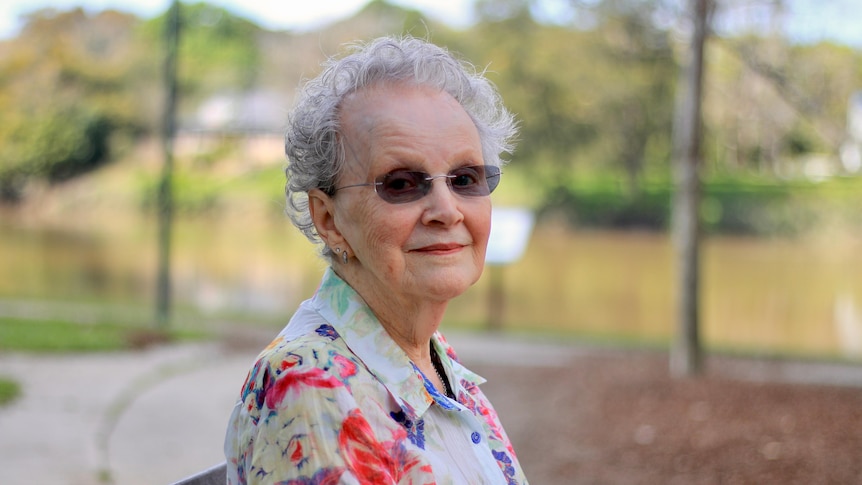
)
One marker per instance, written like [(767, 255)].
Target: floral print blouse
[(334, 400)]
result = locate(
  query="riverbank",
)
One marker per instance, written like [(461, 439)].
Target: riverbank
[(576, 415)]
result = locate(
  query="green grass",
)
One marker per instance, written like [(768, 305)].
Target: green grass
[(9, 391), (25, 335)]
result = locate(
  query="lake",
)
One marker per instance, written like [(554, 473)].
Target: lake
[(765, 296)]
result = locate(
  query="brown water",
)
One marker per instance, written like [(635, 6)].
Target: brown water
[(758, 295)]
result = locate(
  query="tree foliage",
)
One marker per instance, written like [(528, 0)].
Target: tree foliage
[(65, 87), (595, 97), (72, 85), (218, 50), (770, 102)]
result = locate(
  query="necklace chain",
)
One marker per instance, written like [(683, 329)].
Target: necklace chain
[(437, 364)]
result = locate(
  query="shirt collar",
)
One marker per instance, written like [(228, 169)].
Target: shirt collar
[(354, 321), (464, 377)]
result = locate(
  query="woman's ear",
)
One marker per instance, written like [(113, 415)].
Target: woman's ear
[(322, 210)]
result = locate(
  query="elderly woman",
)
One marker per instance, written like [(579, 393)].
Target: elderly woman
[(393, 151)]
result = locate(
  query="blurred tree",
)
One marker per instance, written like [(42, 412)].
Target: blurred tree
[(529, 60), (55, 144), (597, 98), (685, 355), (73, 86), (788, 102), (165, 190), (64, 93), (641, 96), (219, 50)]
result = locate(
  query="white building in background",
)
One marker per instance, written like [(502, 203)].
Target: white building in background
[(252, 121), (253, 112), (851, 150)]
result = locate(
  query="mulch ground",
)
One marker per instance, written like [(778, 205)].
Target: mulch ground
[(618, 418)]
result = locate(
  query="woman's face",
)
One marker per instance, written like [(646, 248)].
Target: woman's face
[(431, 248)]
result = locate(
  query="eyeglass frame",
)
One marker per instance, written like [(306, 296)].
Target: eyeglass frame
[(425, 189)]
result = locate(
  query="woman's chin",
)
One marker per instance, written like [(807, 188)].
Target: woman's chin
[(446, 285)]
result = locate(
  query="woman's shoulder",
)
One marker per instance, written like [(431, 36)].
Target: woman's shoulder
[(317, 359), (310, 348)]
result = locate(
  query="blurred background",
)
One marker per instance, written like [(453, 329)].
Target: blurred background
[(593, 84)]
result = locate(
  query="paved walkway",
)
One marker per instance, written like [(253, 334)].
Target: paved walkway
[(147, 417), (156, 416)]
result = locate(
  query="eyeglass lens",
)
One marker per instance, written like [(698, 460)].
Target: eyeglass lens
[(401, 186)]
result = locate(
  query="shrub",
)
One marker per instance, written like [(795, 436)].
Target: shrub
[(53, 146), (748, 206)]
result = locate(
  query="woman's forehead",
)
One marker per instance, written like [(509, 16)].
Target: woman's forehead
[(408, 128)]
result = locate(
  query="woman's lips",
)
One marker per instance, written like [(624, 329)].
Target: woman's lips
[(440, 248)]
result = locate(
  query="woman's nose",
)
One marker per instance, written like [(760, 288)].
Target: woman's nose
[(442, 204)]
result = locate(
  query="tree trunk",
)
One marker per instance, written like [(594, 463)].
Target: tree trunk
[(165, 189), (685, 358)]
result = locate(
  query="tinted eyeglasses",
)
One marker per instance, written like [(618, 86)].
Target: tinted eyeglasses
[(402, 186)]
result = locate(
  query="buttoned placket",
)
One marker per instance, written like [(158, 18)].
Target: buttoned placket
[(407, 391)]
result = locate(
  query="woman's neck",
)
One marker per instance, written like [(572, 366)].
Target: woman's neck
[(410, 322)]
